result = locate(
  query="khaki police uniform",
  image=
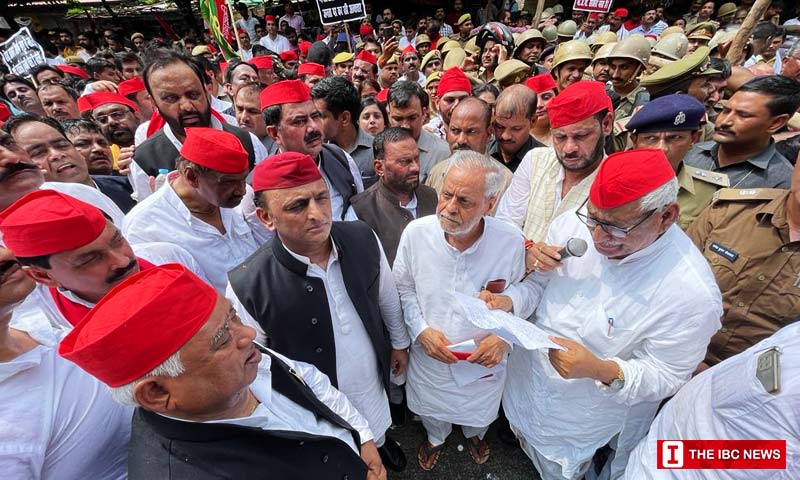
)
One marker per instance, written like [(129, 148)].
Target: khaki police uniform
[(696, 191), (744, 235)]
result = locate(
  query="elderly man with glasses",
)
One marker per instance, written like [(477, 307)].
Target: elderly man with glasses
[(633, 315)]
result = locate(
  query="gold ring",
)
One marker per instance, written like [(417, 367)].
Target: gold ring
[(536, 264), (540, 249)]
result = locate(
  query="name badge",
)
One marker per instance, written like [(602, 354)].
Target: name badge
[(726, 252)]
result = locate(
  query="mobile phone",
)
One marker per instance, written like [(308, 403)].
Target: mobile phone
[(768, 370), (388, 32)]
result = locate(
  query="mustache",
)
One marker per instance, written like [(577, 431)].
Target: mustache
[(121, 273), (312, 136), (15, 168)]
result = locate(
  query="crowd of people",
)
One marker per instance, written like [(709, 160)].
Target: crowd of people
[(217, 268)]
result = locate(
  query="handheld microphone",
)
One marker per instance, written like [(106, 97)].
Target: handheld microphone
[(575, 247)]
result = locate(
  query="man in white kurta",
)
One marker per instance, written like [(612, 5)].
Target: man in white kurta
[(552, 180), (635, 314), (436, 258), (201, 209), (728, 402), (56, 421)]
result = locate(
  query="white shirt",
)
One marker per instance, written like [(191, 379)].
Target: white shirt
[(56, 421), (279, 45), (427, 270), (665, 306), (249, 25), (277, 412), (356, 364), (727, 402), (139, 179), (513, 206), (245, 55), (157, 253), (163, 217)]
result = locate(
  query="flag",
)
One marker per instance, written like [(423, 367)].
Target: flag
[(220, 25)]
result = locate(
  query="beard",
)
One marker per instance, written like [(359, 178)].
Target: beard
[(584, 163), (454, 226), (185, 120)]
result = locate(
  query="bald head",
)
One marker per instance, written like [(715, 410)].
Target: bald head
[(469, 125), (516, 101)]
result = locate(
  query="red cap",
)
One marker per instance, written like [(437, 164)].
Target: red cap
[(303, 46), (134, 85), (594, 16), (288, 56), (215, 149), (73, 70), (139, 324), (366, 30), (621, 13), (262, 63), (269, 18), (453, 80), (365, 56), (5, 113), (240, 31), (407, 50), (311, 68), (45, 222), (96, 99), (285, 170), (382, 96), (285, 91), (577, 102), (541, 83), (627, 176)]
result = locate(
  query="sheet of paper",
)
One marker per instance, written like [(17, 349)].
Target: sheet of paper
[(465, 372), (509, 327)]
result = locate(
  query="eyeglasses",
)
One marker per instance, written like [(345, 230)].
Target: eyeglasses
[(613, 230)]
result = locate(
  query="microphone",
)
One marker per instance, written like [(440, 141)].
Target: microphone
[(575, 247)]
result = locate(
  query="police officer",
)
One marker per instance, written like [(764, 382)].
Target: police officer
[(570, 61), (750, 238), (626, 61), (672, 124), (529, 46)]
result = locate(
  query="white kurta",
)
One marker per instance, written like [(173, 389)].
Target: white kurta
[(427, 270), (163, 217), (727, 402), (665, 307), (277, 412), (56, 421), (356, 365), (157, 253)]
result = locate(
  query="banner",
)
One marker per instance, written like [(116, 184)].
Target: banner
[(21, 52), (337, 11), (220, 24), (599, 6)]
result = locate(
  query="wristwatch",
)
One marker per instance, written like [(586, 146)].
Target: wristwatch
[(618, 382)]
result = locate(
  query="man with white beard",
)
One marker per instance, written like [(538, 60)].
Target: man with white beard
[(461, 249)]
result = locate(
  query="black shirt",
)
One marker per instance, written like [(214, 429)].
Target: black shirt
[(493, 149)]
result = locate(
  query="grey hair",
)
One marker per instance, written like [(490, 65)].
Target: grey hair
[(662, 196), (793, 49), (171, 367), (467, 159)]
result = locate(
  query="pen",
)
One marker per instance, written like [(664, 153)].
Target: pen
[(610, 325)]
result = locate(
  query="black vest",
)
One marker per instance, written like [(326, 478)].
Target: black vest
[(333, 162), (164, 448), (158, 152), (293, 309)]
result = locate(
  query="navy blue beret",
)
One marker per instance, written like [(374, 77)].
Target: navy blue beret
[(670, 112)]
